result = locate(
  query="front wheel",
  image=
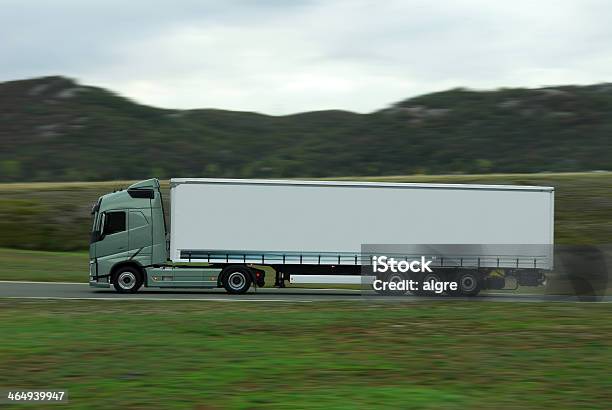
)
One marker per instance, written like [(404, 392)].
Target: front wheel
[(127, 280), (237, 280)]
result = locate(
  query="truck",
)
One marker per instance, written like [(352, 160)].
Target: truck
[(230, 233)]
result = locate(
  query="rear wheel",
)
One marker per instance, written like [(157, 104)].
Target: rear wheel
[(469, 283), (432, 278), (453, 277), (127, 280), (237, 280)]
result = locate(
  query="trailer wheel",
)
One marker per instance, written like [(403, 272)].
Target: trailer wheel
[(454, 293), (432, 276), (237, 280), (454, 277), (127, 280), (469, 283)]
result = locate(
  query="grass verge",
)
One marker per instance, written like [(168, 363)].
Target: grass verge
[(427, 355), (17, 264)]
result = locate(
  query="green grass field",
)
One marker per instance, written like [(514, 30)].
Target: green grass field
[(18, 264), (427, 355)]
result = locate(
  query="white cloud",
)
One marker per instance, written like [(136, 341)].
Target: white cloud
[(283, 57)]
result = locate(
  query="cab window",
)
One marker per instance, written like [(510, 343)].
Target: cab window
[(114, 222)]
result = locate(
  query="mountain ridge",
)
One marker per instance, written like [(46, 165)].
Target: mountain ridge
[(55, 129)]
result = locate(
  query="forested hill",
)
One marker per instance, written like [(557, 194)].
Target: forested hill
[(54, 129)]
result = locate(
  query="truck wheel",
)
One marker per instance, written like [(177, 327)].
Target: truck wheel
[(454, 277), (469, 283), (428, 278), (127, 280), (237, 280)]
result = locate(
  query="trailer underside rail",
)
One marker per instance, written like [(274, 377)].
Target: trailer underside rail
[(352, 259)]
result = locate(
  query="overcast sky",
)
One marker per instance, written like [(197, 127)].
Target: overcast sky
[(281, 57)]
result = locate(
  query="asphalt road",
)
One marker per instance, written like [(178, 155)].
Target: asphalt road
[(49, 290)]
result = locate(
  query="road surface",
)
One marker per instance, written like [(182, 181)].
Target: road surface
[(50, 290)]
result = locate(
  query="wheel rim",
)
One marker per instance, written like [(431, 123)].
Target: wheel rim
[(395, 278), (468, 283), (236, 280), (126, 280), (431, 276)]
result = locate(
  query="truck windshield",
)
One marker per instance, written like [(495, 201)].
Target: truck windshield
[(94, 212), (95, 219)]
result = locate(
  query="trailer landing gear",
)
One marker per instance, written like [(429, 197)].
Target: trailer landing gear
[(279, 281)]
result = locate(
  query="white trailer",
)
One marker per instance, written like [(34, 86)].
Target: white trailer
[(320, 229), (223, 231)]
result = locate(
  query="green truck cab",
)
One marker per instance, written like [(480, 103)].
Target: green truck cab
[(129, 248)]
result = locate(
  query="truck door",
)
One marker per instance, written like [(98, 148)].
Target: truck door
[(114, 235), (140, 236)]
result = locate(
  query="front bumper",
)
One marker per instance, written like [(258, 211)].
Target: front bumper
[(99, 283), (94, 280)]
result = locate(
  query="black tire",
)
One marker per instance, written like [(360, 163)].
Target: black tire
[(454, 277), (427, 278), (469, 283), (127, 279), (237, 280), (454, 293)]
